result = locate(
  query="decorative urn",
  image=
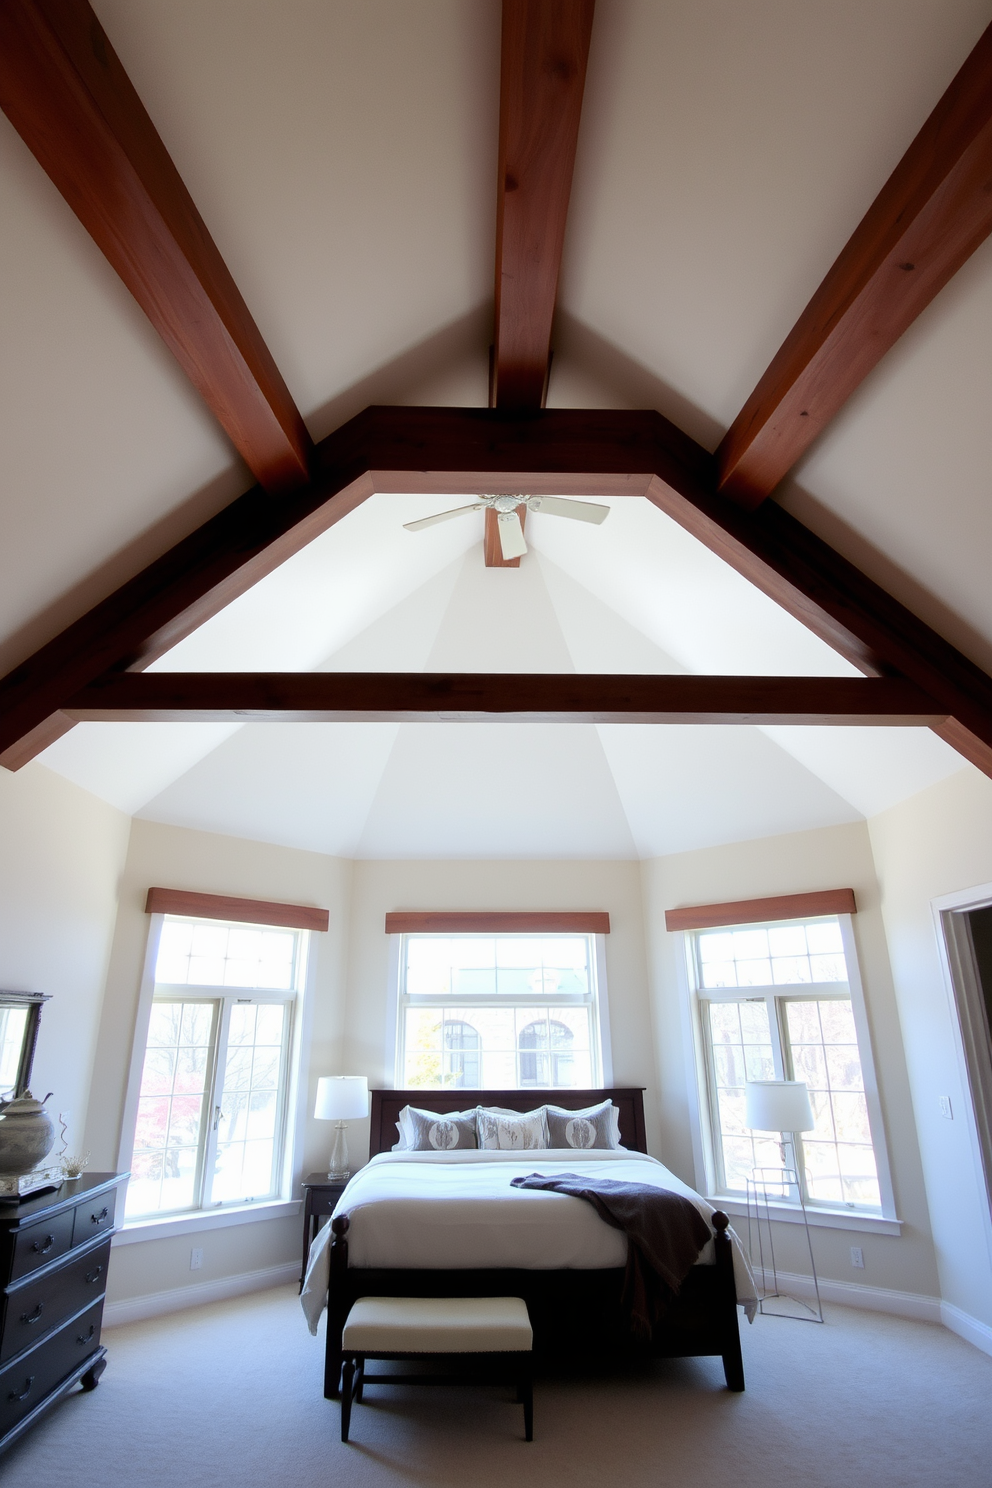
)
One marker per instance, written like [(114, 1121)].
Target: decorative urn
[(27, 1134)]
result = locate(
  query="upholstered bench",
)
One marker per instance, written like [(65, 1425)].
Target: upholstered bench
[(490, 1335)]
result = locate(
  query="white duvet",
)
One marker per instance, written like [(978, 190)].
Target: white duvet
[(440, 1211)]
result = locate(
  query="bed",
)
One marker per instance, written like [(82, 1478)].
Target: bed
[(449, 1224)]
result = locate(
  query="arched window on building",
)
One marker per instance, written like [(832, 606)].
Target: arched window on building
[(545, 1053), (462, 1055)]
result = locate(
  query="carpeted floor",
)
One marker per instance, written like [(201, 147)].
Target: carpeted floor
[(232, 1394)]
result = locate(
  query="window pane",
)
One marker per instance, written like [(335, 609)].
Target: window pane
[(837, 1154), (251, 1100), (202, 953), (171, 1108), (741, 1050), (824, 938)]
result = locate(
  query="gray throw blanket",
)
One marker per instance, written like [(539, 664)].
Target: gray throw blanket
[(665, 1233)]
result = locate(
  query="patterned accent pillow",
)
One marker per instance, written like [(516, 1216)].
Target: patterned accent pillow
[(429, 1131), (596, 1126), (511, 1131)]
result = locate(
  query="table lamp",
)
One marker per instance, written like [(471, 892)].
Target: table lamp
[(341, 1098)]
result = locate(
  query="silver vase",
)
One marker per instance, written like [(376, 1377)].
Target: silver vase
[(27, 1134)]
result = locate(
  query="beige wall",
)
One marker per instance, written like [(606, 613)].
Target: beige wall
[(614, 886), (938, 843), (61, 855), (179, 858), (831, 857)]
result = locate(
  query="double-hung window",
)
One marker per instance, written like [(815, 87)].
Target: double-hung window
[(505, 1011), (211, 1111), (782, 1001)]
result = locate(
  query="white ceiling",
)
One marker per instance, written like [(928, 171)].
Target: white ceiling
[(342, 153)]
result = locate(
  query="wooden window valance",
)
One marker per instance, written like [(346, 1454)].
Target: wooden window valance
[(497, 922), (224, 907), (756, 911)]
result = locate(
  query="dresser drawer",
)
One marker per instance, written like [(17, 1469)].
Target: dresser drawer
[(26, 1381), (93, 1217), (40, 1243), (35, 1307)]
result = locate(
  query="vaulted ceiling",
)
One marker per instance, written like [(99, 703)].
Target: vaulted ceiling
[(343, 157)]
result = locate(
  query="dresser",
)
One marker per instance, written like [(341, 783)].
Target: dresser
[(54, 1252)]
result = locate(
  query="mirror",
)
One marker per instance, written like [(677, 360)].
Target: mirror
[(20, 1014)]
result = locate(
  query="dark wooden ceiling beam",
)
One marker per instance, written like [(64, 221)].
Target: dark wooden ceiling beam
[(402, 697), (451, 451), (545, 47), (65, 91), (930, 216)]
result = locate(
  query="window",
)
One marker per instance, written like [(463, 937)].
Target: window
[(782, 1001), (211, 1114), (499, 1011)]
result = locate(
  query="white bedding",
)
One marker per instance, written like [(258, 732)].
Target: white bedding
[(457, 1211)]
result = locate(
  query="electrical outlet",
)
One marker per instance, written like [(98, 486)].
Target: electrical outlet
[(195, 1260), (857, 1257), (945, 1107)]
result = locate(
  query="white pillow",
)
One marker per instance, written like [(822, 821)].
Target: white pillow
[(511, 1131)]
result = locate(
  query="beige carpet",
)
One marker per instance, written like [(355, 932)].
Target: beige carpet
[(232, 1394)]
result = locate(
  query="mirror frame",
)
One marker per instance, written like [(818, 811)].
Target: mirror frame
[(34, 1002)]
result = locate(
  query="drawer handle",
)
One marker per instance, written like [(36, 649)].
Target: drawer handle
[(85, 1337), (25, 1392), (92, 1275), (32, 1317), (42, 1247), (97, 1218)]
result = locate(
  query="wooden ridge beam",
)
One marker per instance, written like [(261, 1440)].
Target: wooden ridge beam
[(404, 697), (66, 93), (451, 451), (930, 216), (545, 47)]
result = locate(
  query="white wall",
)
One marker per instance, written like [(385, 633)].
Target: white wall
[(179, 858), (828, 858), (614, 886), (937, 843), (61, 853)]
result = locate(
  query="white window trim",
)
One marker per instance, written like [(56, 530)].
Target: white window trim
[(699, 1117), (153, 1227), (392, 1054)]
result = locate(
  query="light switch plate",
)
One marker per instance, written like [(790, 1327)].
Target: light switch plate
[(945, 1107)]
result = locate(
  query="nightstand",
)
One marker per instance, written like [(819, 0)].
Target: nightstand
[(322, 1193)]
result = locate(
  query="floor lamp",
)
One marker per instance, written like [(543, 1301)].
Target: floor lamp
[(782, 1107), (341, 1098)]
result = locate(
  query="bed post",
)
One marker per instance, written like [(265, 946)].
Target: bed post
[(733, 1363), (337, 1307)]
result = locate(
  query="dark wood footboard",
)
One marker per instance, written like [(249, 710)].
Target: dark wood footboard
[(573, 1313)]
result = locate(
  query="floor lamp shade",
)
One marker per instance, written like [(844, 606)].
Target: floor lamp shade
[(342, 1098), (778, 1106)]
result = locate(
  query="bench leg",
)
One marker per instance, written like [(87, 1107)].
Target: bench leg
[(347, 1395), (360, 1381), (525, 1395)]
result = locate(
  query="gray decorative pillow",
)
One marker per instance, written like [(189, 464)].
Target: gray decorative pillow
[(429, 1131), (511, 1131), (596, 1126)]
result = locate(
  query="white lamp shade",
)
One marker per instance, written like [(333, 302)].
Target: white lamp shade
[(778, 1106), (342, 1097)]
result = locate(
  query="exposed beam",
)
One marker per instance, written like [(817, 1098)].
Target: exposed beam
[(526, 697), (930, 216), (65, 91), (543, 69), (460, 451)]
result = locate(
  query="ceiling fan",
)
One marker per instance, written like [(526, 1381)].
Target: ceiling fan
[(511, 533)]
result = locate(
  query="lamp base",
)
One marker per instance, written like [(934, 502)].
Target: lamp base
[(338, 1167)]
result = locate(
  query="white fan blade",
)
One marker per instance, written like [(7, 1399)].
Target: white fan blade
[(443, 517), (561, 506), (511, 535)]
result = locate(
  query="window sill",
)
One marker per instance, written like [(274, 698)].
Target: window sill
[(830, 1219), (205, 1219)]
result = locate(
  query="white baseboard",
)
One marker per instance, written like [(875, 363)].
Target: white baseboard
[(967, 1327), (177, 1299), (914, 1305)]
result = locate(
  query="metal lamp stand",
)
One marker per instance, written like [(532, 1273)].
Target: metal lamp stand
[(760, 1181)]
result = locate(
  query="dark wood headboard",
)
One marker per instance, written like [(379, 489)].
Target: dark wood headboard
[(387, 1105)]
